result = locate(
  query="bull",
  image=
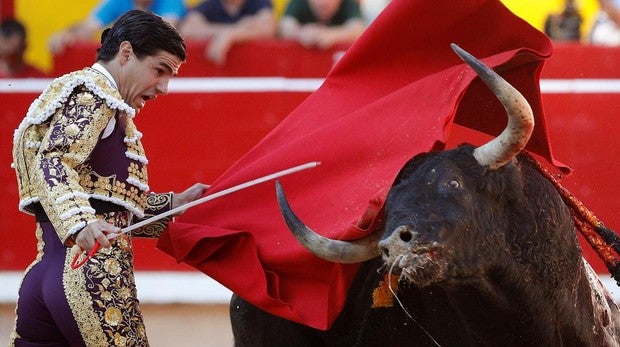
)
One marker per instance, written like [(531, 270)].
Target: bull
[(483, 247)]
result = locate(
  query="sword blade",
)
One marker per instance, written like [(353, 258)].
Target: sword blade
[(217, 195)]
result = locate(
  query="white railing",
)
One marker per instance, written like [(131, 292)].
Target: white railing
[(285, 84)]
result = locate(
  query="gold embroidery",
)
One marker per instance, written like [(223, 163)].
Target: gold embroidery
[(112, 267), (113, 316), (155, 204), (152, 230), (104, 302), (80, 302), (72, 130), (158, 202), (119, 340), (110, 187), (68, 118), (86, 99), (101, 294)]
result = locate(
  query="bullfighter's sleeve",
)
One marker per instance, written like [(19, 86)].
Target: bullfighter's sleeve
[(155, 204), (74, 131)]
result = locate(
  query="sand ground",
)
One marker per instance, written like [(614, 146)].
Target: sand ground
[(168, 325)]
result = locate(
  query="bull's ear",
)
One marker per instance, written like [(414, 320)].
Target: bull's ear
[(412, 165)]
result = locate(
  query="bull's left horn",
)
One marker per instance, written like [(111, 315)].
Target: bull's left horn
[(513, 139), (331, 250)]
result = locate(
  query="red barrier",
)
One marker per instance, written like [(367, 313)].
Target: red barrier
[(252, 59), (573, 60), (195, 136), (188, 138)]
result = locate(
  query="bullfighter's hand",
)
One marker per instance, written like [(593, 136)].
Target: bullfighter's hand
[(96, 231), (190, 194)]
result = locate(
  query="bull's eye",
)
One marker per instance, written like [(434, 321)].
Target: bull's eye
[(454, 184)]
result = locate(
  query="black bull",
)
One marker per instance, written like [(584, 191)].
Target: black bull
[(485, 249)]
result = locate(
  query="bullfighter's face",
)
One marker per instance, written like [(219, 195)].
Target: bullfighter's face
[(143, 79)]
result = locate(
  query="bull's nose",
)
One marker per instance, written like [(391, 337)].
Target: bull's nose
[(397, 242)]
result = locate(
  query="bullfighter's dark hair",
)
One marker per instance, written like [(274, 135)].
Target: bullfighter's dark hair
[(148, 34), (10, 27)]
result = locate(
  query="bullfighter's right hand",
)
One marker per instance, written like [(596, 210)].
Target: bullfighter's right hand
[(96, 231)]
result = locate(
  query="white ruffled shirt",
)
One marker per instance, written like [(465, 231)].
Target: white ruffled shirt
[(110, 127)]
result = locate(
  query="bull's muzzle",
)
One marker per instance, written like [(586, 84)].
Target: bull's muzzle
[(399, 242)]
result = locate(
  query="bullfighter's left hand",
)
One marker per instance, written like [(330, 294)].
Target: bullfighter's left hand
[(190, 194)]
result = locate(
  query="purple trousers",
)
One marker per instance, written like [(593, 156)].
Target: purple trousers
[(94, 305), (43, 314)]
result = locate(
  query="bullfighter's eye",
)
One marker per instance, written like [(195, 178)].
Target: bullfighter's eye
[(454, 184)]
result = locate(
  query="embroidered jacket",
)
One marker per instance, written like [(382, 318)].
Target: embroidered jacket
[(55, 164)]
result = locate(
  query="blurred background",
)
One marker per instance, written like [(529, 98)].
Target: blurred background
[(43, 18)]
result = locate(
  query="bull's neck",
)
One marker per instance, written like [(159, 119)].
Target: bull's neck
[(527, 310)]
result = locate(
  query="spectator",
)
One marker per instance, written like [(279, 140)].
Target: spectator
[(322, 23), (82, 172), (226, 22), (372, 8), (107, 12), (606, 28), (12, 47), (566, 25)]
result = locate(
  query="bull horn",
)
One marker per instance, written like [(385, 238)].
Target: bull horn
[(335, 251), (499, 151)]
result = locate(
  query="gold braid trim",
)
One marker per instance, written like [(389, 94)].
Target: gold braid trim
[(80, 302), (155, 204)]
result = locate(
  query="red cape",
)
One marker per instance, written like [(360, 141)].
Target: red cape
[(394, 94)]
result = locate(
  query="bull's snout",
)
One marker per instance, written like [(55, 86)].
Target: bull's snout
[(397, 243)]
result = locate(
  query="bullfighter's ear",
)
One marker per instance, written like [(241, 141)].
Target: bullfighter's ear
[(125, 50)]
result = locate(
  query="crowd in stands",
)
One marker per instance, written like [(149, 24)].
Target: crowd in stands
[(319, 24), (606, 29), (314, 24), (107, 12), (225, 22), (566, 25), (12, 47)]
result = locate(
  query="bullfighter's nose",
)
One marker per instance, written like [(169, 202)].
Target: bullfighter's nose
[(398, 242)]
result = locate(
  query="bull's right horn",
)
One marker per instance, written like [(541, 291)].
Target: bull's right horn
[(331, 250), (513, 139)]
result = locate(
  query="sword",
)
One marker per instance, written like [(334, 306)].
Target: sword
[(76, 264)]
